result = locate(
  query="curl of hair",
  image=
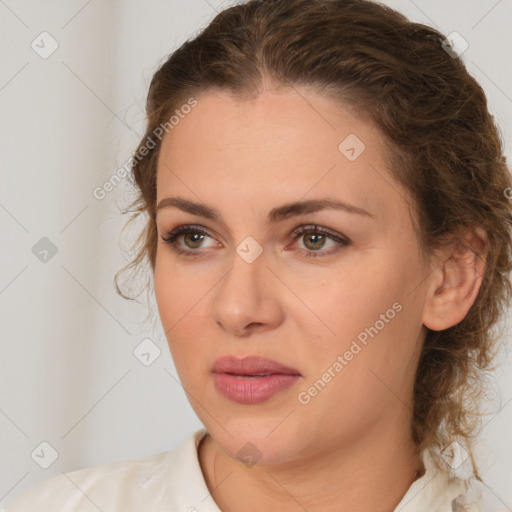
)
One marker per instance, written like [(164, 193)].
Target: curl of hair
[(444, 148)]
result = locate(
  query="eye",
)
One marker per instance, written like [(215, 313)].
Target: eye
[(193, 237), (315, 238)]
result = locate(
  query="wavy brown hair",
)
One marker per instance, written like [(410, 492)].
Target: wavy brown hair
[(444, 149)]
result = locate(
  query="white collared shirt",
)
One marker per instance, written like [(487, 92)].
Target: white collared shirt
[(172, 481)]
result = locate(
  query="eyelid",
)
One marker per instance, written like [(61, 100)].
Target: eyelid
[(340, 240), (172, 236), (315, 228)]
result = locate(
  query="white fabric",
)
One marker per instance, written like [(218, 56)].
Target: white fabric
[(172, 481)]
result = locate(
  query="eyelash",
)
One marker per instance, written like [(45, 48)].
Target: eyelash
[(172, 236)]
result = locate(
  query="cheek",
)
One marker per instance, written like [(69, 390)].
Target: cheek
[(344, 303), (180, 301), (373, 323), (179, 289)]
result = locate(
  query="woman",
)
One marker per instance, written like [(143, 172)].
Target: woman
[(328, 231)]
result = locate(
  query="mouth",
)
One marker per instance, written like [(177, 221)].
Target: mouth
[(242, 376), (252, 379), (251, 366)]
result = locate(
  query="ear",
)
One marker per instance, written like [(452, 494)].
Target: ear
[(455, 281)]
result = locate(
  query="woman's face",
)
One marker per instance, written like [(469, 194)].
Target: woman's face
[(340, 305)]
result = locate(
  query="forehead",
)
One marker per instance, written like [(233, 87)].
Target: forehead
[(278, 147), (273, 121)]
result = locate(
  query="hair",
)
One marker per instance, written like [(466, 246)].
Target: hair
[(444, 149)]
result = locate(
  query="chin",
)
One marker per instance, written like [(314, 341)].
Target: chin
[(257, 440)]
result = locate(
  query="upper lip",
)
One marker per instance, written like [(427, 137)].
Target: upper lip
[(251, 365)]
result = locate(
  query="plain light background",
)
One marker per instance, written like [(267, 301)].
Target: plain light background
[(69, 376)]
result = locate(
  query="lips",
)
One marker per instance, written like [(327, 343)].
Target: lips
[(251, 379), (251, 365)]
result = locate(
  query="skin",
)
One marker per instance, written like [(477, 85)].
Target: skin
[(350, 448)]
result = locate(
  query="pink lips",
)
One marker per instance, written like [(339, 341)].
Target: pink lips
[(251, 379)]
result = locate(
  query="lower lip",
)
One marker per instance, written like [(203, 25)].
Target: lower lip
[(251, 390)]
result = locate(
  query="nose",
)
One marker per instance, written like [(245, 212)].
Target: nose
[(248, 298)]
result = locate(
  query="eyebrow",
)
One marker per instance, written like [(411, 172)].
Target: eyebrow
[(275, 215)]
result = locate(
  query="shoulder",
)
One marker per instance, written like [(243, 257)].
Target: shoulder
[(127, 485), (443, 489), (95, 488)]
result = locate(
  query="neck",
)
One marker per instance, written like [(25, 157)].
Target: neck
[(372, 474)]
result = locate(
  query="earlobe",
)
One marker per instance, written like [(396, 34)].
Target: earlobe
[(455, 283)]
